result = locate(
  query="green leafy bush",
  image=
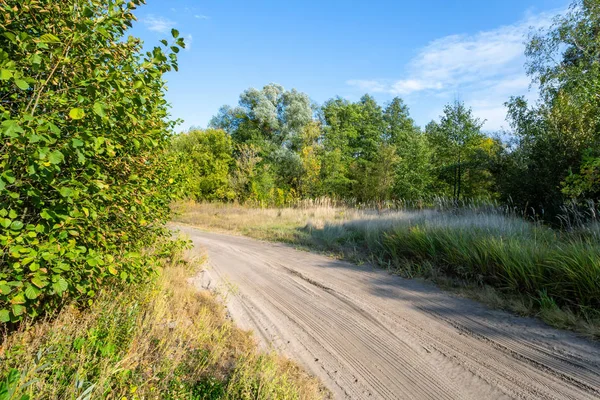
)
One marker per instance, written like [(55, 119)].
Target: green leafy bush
[(84, 182)]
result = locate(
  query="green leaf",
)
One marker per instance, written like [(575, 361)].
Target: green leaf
[(34, 138), (16, 226), (5, 74), (9, 176), (49, 38), (56, 157), (60, 286), (112, 270), (18, 309), (66, 192), (21, 84), (76, 113), (10, 36), (36, 59), (31, 292), (77, 142), (99, 109), (11, 128), (18, 299), (4, 316), (46, 215), (175, 33), (5, 289), (38, 282), (92, 262)]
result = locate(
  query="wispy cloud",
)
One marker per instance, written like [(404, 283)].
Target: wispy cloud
[(158, 24), (200, 16), (484, 69), (188, 42)]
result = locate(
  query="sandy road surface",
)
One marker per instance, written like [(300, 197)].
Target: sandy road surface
[(370, 335)]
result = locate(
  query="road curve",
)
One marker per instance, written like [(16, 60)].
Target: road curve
[(370, 335)]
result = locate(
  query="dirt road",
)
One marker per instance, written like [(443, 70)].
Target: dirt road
[(371, 335)]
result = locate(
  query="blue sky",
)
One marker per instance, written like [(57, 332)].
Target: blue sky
[(427, 52)]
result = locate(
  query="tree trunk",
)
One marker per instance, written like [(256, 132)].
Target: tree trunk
[(459, 180)]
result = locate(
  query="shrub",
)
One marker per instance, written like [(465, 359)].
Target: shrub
[(84, 183)]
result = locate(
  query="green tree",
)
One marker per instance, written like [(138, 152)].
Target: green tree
[(85, 183), (353, 134), (311, 152), (272, 121), (206, 156), (558, 139), (455, 138), (413, 174)]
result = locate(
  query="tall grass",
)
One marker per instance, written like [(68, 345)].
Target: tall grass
[(163, 340), (484, 247)]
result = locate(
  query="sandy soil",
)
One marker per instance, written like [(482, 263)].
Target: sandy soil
[(370, 335)]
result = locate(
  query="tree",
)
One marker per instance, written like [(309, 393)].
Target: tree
[(310, 153), (559, 138), (272, 121), (353, 134), (85, 181), (455, 138), (271, 115), (413, 175)]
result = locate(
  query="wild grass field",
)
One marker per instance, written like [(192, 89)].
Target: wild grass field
[(164, 340), (504, 261)]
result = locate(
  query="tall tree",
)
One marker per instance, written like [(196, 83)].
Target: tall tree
[(559, 139), (271, 120), (412, 167), (455, 138), (353, 133)]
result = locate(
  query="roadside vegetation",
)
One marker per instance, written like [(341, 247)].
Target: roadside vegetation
[(504, 261), (159, 340), (94, 300)]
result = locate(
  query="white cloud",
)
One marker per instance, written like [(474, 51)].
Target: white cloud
[(200, 16), (158, 24), (484, 69), (408, 86), (372, 86)]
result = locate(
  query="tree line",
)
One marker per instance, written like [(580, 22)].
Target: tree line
[(276, 146)]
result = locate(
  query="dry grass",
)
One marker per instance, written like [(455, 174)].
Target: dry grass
[(245, 220), (164, 340), (505, 262)]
